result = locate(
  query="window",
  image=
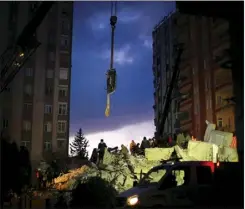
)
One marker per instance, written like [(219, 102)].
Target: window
[(26, 144), (62, 108), (218, 100), (28, 72), (5, 123), (61, 143), (47, 146), (220, 122), (48, 90), (64, 42), (48, 127), (27, 107), (26, 125), (49, 73), (61, 127), (51, 56), (179, 176), (63, 74), (64, 61), (48, 109), (63, 90), (28, 89), (204, 175)]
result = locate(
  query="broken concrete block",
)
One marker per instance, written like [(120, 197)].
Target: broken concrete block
[(157, 154)]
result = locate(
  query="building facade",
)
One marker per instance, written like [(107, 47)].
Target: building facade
[(35, 107), (205, 86), (164, 41)]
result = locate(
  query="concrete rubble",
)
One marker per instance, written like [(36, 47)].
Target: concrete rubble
[(121, 171)]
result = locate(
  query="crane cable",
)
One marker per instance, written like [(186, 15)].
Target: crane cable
[(111, 73)]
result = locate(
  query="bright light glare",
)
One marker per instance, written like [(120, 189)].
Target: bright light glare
[(133, 200), (122, 135)]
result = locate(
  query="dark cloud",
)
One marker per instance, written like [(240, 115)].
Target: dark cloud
[(133, 99)]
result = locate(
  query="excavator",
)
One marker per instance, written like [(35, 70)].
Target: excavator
[(14, 57)]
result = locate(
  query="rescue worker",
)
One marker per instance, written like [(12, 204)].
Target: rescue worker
[(151, 143), (145, 144), (132, 147), (234, 141), (124, 151), (101, 147), (137, 149), (170, 140)]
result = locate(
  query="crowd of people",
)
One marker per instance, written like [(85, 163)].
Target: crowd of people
[(134, 149)]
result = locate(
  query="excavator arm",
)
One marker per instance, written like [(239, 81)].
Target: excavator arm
[(13, 58)]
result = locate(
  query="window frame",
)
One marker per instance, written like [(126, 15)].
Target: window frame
[(27, 125), (62, 72), (47, 127), (62, 123), (48, 107), (62, 108)]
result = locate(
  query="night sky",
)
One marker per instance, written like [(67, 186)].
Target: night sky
[(132, 102)]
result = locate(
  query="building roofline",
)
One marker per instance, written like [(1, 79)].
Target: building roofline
[(163, 20)]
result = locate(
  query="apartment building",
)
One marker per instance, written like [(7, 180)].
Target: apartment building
[(35, 107), (164, 51), (205, 81)]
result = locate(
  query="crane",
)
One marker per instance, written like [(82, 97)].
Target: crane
[(14, 57), (111, 74)]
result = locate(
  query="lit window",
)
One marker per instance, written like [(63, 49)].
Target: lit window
[(48, 127), (50, 73), (28, 72), (48, 109), (26, 125), (63, 74), (63, 90), (62, 108), (28, 89), (47, 146), (220, 122), (62, 125)]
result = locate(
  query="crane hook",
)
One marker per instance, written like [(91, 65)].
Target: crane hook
[(111, 73)]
